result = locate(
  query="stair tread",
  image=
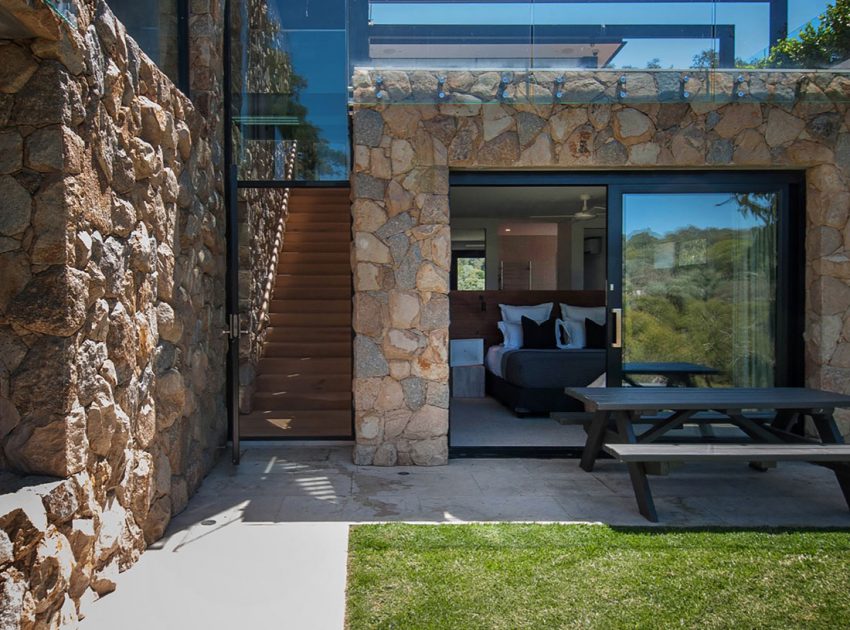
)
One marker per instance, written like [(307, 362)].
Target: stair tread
[(319, 257), (318, 395), (305, 304), (311, 276), (314, 268), (293, 349), (297, 424), (313, 293), (317, 226)]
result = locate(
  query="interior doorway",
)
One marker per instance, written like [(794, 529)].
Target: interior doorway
[(514, 250)]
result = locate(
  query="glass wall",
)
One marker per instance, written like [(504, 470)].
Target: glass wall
[(699, 283), (290, 78), (611, 34), (154, 26)]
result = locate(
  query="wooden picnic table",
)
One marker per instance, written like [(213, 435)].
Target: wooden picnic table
[(616, 411), (676, 373)]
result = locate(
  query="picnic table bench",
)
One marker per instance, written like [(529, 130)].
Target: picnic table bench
[(618, 409), (677, 373)]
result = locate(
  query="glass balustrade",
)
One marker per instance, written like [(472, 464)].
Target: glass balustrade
[(597, 50), (298, 63), (290, 78)]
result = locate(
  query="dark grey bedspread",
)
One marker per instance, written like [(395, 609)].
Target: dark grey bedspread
[(550, 369)]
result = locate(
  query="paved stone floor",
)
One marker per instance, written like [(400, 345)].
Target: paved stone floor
[(264, 544)]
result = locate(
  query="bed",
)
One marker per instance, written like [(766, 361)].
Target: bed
[(529, 382), (533, 381)]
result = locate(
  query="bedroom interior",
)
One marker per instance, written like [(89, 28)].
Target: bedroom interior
[(525, 251), (674, 279)]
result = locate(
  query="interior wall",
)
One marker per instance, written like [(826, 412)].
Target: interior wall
[(596, 264), (541, 252)]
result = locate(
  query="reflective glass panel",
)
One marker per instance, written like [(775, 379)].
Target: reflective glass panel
[(699, 283), (290, 89)]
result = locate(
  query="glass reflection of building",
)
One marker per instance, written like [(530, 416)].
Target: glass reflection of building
[(290, 86), (292, 59)]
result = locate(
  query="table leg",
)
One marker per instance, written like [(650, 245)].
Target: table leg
[(829, 434), (705, 429), (643, 494), (637, 470), (595, 438), (784, 420), (827, 429), (625, 426)]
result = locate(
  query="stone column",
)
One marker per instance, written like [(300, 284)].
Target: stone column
[(401, 256)]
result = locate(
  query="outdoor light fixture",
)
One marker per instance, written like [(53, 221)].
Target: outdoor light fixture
[(623, 91), (685, 92), (441, 82)]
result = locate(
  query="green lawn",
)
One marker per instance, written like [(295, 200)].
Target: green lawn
[(586, 576)]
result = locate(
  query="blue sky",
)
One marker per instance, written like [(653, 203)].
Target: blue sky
[(750, 20), (667, 213)]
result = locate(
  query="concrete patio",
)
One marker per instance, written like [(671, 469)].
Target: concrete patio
[(267, 540)]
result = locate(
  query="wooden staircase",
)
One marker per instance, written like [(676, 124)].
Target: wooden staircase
[(303, 383)]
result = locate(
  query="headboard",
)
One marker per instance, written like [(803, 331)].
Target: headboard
[(469, 321)]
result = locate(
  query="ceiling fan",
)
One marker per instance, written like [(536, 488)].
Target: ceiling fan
[(584, 214)]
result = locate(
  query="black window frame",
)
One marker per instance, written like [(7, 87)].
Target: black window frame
[(791, 255)]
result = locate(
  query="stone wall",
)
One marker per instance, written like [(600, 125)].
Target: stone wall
[(405, 143), (111, 308)]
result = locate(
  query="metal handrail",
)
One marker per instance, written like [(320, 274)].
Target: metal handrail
[(271, 271)]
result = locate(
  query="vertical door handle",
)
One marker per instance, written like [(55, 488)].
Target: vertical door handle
[(618, 328)]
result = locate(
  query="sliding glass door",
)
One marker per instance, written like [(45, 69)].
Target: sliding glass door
[(704, 282)]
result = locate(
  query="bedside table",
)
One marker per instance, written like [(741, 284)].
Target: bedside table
[(467, 364)]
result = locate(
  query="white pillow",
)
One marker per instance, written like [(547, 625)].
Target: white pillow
[(574, 331), (511, 334), (580, 313), (514, 314)]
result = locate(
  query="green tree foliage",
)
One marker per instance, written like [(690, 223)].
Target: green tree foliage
[(705, 295), (706, 60), (815, 46), (470, 274)]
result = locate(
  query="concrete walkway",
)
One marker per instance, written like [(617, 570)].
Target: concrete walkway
[(264, 545)]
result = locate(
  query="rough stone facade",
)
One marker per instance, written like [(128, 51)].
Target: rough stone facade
[(406, 141), (111, 308)]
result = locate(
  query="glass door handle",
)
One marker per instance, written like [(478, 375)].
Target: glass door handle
[(618, 328)]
